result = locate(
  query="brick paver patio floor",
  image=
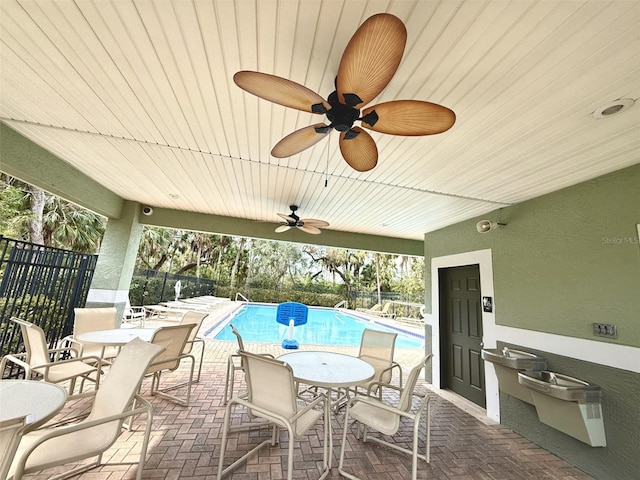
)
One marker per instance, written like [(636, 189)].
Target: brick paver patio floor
[(185, 441)]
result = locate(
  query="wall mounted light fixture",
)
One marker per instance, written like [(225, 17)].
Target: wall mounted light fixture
[(484, 226)]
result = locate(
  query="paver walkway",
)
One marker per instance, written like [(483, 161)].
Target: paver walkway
[(185, 441)]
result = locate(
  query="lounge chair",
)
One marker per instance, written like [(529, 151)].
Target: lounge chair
[(376, 308), (133, 316)]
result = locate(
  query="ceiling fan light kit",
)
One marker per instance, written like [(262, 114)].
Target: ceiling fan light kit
[(368, 64)]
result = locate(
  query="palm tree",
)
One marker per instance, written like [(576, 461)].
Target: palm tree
[(48, 220)]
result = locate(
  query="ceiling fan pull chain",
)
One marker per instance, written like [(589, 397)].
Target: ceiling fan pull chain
[(326, 170)]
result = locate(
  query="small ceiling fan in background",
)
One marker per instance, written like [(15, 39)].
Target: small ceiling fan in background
[(308, 225), (368, 63)]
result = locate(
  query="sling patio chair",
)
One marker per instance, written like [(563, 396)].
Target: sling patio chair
[(195, 318), (272, 397), (376, 348), (234, 363), (173, 338), (91, 320), (10, 433), (370, 412), (39, 360), (51, 447)]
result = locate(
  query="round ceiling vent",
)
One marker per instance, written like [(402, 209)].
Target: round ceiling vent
[(614, 108)]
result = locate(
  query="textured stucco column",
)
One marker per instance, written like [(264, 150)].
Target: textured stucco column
[(116, 261)]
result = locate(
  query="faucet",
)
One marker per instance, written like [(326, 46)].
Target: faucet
[(505, 352)]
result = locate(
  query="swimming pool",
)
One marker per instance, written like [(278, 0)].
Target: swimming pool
[(256, 322)]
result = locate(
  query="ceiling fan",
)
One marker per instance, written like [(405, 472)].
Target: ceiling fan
[(368, 63), (308, 225)]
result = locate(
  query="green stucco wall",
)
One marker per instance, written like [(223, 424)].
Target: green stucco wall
[(619, 460), (564, 260)]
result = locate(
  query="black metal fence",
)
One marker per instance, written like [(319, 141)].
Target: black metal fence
[(150, 287), (41, 285)]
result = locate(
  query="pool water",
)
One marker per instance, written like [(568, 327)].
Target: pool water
[(325, 326)]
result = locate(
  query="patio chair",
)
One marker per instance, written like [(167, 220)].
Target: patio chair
[(10, 433), (39, 360), (91, 320), (377, 348), (133, 316), (234, 363), (174, 339), (370, 412), (195, 318), (50, 447), (272, 396)]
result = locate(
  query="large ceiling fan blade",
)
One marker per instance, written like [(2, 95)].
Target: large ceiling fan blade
[(287, 218), (310, 229), (279, 90), (360, 151), (282, 228), (371, 57), (299, 140), (409, 117), (314, 223)]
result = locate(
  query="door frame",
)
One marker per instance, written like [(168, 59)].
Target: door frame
[(483, 258)]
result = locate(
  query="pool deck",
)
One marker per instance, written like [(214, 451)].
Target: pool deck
[(185, 441)]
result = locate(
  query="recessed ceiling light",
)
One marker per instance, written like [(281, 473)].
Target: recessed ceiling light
[(614, 108)]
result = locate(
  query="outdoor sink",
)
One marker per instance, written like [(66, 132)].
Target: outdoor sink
[(560, 386), (515, 359)]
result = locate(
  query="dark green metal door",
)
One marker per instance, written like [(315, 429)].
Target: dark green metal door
[(461, 332)]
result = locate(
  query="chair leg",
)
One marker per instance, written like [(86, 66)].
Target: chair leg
[(228, 390), (145, 441), (197, 380), (344, 442), (290, 455)]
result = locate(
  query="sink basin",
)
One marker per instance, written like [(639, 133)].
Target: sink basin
[(514, 359), (560, 386)]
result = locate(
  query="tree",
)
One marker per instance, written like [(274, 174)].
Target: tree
[(28, 213)]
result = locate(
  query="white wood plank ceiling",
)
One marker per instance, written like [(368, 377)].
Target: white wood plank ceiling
[(139, 96)]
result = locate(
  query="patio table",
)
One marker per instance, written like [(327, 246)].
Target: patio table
[(116, 336), (38, 400), (328, 370)]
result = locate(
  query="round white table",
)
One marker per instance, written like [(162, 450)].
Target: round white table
[(39, 401), (117, 336), (328, 370)]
